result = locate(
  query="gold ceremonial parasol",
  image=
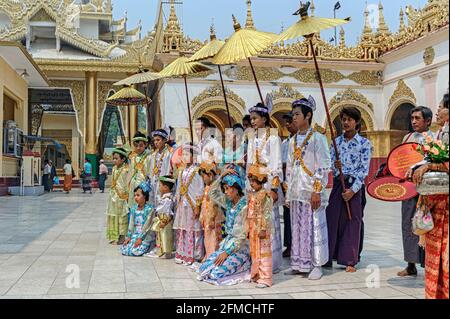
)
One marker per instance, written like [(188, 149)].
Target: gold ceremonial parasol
[(244, 44), (128, 96), (182, 67), (209, 51), (306, 27), (139, 78)]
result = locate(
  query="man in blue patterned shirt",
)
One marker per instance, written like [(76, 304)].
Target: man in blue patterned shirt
[(355, 151)]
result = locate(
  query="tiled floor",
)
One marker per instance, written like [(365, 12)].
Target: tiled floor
[(47, 242)]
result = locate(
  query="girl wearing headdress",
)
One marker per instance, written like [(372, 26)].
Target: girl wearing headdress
[(211, 216), (264, 148), (163, 221), (117, 212), (159, 161), (230, 264), (259, 218), (307, 171), (139, 164), (139, 237), (189, 247)]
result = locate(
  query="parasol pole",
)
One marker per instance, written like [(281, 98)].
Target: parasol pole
[(225, 96), (330, 124), (129, 123), (256, 81), (189, 109)]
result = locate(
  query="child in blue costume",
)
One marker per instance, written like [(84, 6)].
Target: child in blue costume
[(140, 238)]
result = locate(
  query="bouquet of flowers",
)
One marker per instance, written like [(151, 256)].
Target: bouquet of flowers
[(434, 151)]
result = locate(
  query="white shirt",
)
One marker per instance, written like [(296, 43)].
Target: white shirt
[(270, 154), (210, 150), (67, 169), (317, 159)]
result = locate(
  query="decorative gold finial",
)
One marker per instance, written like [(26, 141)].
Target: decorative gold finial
[(313, 8), (236, 24), (402, 19), (342, 38), (367, 27), (382, 26), (249, 24)]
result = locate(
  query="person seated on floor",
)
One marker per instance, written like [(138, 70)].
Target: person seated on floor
[(231, 263), (139, 237)]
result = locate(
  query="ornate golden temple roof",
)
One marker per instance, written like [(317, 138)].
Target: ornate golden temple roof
[(371, 45)]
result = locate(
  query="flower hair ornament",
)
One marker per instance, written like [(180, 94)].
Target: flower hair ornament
[(310, 102), (145, 186)]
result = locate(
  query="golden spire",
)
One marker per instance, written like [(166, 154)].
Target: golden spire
[(342, 38), (402, 19), (249, 24), (367, 27), (173, 36), (213, 32), (313, 8), (382, 26)]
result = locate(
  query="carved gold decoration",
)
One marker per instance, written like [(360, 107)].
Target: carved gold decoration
[(216, 91), (310, 76), (429, 55), (78, 94), (366, 77), (103, 89), (237, 113), (286, 91), (244, 73), (202, 75), (349, 96), (402, 91), (42, 16)]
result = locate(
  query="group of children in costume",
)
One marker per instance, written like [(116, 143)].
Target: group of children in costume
[(222, 218)]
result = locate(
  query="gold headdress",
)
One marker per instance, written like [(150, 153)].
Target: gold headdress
[(260, 171), (208, 167)]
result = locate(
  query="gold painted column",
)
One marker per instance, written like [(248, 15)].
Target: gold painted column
[(91, 120), (133, 116)]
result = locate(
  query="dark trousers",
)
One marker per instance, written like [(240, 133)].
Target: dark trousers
[(363, 206), (412, 252), (287, 227), (344, 235), (45, 182), (101, 181)]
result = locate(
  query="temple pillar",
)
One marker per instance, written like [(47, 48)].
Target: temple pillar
[(91, 121), (430, 85)]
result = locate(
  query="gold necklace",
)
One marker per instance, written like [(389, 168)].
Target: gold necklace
[(299, 150)]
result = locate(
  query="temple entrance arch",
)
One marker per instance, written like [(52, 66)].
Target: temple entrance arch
[(367, 122), (215, 110), (280, 108)]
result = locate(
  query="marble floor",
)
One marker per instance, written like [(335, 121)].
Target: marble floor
[(53, 246)]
